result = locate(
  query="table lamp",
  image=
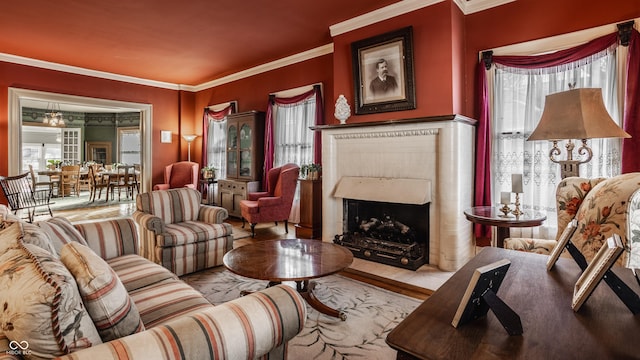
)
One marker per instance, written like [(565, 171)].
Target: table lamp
[(575, 114), (189, 139)]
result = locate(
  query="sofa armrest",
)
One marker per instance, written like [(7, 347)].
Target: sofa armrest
[(245, 328), (111, 238), (257, 195), (212, 214), (148, 222)]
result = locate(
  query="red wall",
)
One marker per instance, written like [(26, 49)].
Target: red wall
[(526, 20), (164, 101), (437, 71), (252, 93), (446, 45)]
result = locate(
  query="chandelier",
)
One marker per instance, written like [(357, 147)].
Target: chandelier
[(53, 116)]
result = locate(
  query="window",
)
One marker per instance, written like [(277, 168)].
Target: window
[(293, 139), (517, 107), (129, 146), (216, 145)]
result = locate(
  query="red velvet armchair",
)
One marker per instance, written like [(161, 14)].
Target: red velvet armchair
[(275, 204), (180, 174)]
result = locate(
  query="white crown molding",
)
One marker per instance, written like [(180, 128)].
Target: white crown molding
[(82, 71), (289, 60), (387, 12), (474, 6)]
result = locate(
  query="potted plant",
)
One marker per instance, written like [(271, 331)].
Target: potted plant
[(52, 164), (208, 172), (311, 171)]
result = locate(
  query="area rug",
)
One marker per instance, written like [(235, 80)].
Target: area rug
[(82, 201), (372, 313)]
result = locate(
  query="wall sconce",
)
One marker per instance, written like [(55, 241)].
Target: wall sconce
[(575, 114), (165, 136), (189, 139)]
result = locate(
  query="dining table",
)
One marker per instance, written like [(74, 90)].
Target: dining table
[(114, 175), (55, 175)]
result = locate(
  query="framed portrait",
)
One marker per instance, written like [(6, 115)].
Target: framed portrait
[(383, 72)]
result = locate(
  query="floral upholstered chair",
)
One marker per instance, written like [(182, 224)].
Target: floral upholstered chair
[(608, 209), (570, 194)]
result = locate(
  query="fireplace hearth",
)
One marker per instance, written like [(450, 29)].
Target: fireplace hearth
[(410, 161), (390, 233)]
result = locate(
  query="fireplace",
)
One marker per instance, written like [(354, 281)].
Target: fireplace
[(414, 161), (390, 233)]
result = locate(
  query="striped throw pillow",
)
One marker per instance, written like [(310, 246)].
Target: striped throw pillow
[(113, 312), (61, 232)]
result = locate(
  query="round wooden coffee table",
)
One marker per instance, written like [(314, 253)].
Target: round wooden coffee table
[(296, 260)]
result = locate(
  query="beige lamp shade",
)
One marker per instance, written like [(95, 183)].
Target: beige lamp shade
[(576, 114)]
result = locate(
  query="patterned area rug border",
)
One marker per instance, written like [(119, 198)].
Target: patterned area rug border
[(372, 312)]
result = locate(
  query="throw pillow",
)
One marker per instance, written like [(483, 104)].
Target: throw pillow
[(39, 300), (113, 312), (33, 234), (61, 232)]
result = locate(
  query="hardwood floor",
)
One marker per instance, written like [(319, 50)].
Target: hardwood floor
[(418, 284)]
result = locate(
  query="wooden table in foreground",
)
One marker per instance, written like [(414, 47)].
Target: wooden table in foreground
[(296, 260), (603, 328), (492, 216)]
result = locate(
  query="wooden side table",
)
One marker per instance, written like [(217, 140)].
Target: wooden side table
[(604, 328), (489, 215), (207, 189), (310, 226)]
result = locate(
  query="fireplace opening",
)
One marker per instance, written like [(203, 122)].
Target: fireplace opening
[(390, 233)]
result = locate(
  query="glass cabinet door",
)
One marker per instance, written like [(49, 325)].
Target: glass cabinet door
[(245, 150), (232, 164), (232, 151), (232, 137), (245, 137)]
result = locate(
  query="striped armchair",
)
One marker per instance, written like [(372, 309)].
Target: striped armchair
[(180, 233)]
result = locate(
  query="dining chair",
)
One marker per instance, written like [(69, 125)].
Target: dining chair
[(97, 182), (69, 180), (123, 177), (36, 185)]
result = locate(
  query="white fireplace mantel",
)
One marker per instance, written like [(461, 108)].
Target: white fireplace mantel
[(436, 149)]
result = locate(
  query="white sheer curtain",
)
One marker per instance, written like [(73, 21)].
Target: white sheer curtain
[(217, 146), (518, 101), (293, 139)]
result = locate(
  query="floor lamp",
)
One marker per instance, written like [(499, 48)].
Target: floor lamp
[(575, 114), (189, 139)]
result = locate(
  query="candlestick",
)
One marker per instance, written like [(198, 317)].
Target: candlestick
[(516, 211), (516, 183)]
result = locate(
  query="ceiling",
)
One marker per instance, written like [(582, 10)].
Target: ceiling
[(179, 42)]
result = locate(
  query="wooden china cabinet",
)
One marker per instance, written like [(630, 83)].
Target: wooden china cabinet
[(245, 159)]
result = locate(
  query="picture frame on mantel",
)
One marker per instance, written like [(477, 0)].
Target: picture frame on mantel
[(383, 72)]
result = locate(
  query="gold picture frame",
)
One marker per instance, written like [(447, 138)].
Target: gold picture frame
[(383, 72)]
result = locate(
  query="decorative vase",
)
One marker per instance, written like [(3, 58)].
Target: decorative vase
[(343, 110)]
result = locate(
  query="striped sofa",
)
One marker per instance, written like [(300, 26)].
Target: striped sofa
[(180, 233), (177, 322)]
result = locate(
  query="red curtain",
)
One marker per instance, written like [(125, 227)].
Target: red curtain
[(483, 144), (215, 116), (631, 161), (268, 134)]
